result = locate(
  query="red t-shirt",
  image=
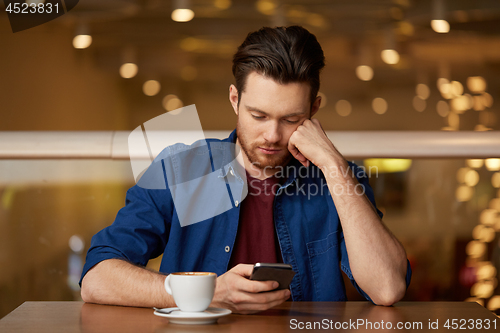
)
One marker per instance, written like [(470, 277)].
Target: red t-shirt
[(256, 240)]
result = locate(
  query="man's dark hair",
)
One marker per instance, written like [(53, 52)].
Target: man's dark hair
[(285, 54)]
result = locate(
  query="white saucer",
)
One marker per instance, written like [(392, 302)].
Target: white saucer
[(209, 316)]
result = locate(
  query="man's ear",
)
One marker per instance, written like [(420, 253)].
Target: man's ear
[(233, 98), (315, 106)]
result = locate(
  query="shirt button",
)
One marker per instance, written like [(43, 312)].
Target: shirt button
[(231, 172), (236, 203), (227, 248)]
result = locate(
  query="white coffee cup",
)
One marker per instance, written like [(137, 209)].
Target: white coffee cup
[(192, 291)]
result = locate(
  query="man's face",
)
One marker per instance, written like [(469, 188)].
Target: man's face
[(268, 114)]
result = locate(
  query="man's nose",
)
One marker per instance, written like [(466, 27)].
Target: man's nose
[(272, 133)]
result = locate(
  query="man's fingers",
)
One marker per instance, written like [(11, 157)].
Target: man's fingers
[(244, 284), (261, 301), (270, 297), (255, 302), (296, 153), (254, 287), (257, 307), (299, 157), (242, 269)]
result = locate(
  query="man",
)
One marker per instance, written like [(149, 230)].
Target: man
[(320, 218)]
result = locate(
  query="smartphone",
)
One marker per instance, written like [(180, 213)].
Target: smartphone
[(282, 273)]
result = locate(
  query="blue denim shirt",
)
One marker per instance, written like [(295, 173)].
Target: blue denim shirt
[(306, 220)]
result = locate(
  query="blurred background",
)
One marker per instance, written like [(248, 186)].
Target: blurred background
[(391, 65)]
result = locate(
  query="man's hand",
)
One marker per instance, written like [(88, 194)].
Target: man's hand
[(310, 143), (234, 291)]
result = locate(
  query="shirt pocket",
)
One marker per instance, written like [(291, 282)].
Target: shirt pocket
[(324, 259)]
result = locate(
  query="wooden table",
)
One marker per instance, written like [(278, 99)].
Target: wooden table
[(70, 317)]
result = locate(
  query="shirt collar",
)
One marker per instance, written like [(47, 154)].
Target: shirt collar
[(229, 162)]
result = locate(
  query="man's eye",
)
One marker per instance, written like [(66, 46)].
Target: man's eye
[(258, 117), (291, 121)]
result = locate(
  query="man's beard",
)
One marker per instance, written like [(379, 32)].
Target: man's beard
[(262, 161)]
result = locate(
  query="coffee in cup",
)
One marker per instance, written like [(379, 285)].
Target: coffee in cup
[(192, 291)]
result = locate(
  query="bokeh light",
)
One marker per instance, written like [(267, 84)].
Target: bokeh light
[(483, 233), (494, 303), (483, 289), (441, 81), (486, 271), (422, 90), (461, 174), (445, 90), (76, 244), (475, 249), (456, 88), (464, 193), (442, 109), (475, 299), (440, 26), (476, 84), (475, 163), (471, 178), (460, 104), (495, 180), (492, 164), (379, 105), (128, 70), (266, 7), (488, 216), (82, 41), (343, 108), (481, 128), (172, 102), (222, 4), (182, 15), (364, 73), (390, 56), (151, 87), (478, 103), (487, 100)]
